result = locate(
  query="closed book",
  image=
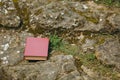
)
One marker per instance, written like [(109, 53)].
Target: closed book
[(36, 48)]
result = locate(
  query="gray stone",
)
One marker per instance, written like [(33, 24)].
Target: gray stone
[(89, 44), (86, 77), (12, 47), (9, 15), (52, 15), (11, 58), (3, 75), (71, 76), (89, 72), (49, 71), (66, 17), (62, 61), (45, 70), (115, 20), (68, 67), (109, 52)]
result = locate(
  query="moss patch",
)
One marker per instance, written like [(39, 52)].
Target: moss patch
[(91, 19), (110, 3), (91, 62)]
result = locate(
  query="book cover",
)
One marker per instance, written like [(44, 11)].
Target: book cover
[(36, 48)]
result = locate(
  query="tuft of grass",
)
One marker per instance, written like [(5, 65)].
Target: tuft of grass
[(55, 42), (91, 57), (88, 59), (69, 49)]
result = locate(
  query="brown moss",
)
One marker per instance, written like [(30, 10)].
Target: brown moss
[(23, 13), (38, 11), (96, 66), (91, 19), (1, 4)]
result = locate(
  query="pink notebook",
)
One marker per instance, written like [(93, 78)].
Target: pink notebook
[(36, 48)]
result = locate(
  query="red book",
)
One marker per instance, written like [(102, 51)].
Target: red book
[(36, 48)]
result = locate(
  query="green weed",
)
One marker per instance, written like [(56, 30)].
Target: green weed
[(55, 42)]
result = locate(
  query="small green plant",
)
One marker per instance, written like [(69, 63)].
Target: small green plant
[(90, 56), (55, 42)]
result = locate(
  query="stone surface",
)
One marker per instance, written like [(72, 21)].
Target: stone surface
[(89, 24), (115, 20), (89, 44), (48, 15), (12, 46), (89, 72), (8, 14), (71, 76), (55, 68), (109, 52)]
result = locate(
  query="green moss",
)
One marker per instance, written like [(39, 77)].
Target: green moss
[(107, 71), (15, 1), (87, 59), (69, 49), (98, 37), (91, 62), (23, 12), (110, 3), (37, 30), (92, 19), (26, 14), (38, 12), (100, 40), (1, 4)]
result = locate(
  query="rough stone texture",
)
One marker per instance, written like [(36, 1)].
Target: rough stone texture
[(8, 14), (52, 15), (72, 15), (72, 19), (89, 44), (89, 72), (12, 65), (114, 20), (55, 68), (109, 52), (12, 46), (71, 76)]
